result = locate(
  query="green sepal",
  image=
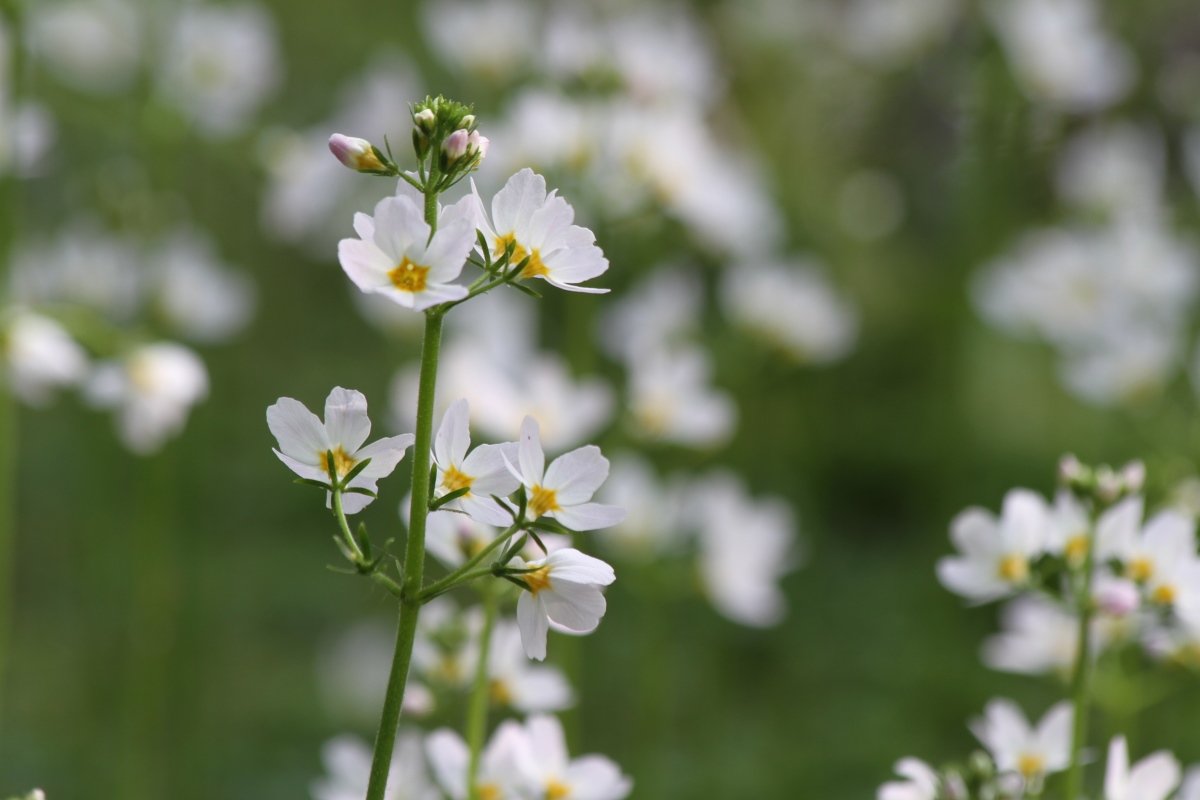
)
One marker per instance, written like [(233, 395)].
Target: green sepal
[(516, 582), (549, 525), (512, 550), (312, 482), (487, 251), (360, 490), (522, 502), (433, 468), (520, 287), (354, 472), (500, 501), (364, 541), (341, 570), (449, 498), (538, 539), (345, 548)]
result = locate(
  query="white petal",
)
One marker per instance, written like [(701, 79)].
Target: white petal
[(346, 421), (365, 264), (453, 436), (1154, 777), (299, 431), (1116, 771), (385, 454), (572, 565), (577, 607), (548, 743), (532, 459), (399, 227), (364, 226), (576, 475), (448, 755), (515, 204), (589, 516), (531, 618), (597, 778), (1054, 736)]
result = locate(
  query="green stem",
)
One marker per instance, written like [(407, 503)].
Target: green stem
[(477, 711), (460, 575), (345, 526), (8, 523), (1081, 675)]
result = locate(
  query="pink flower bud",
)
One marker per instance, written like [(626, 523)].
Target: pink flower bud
[(455, 146), (1117, 597), (1070, 469), (1134, 475), (357, 154), (478, 144)]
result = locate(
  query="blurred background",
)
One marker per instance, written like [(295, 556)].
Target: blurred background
[(872, 261)]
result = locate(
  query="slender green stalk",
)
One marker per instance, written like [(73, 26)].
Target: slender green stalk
[(8, 523), (460, 575), (477, 711), (345, 526), (1082, 673)]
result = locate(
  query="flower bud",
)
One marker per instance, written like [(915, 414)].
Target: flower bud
[(468, 121), (1071, 471), (1117, 597), (1010, 784), (426, 120), (478, 144), (954, 787), (357, 154), (455, 146), (981, 764), (1109, 484), (1133, 475)]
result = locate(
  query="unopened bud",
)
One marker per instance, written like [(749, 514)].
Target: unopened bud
[(357, 154), (1117, 597), (1071, 471), (455, 146), (478, 144), (1109, 484), (1133, 475), (954, 787), (1010, 784), (425, 120), (36, 794), (981, 764), (468, 121)]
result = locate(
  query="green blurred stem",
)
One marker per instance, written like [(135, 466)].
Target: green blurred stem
[(467, 572), (8, 525), (477, 711), (340, 513), (1082, 674)]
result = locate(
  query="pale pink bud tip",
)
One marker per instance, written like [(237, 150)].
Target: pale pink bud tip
[(478, 144), (357, 154), (455, 145), (1134, 474), (1118, 598)]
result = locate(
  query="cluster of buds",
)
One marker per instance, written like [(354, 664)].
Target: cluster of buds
[(449, 128), (1102, 483)]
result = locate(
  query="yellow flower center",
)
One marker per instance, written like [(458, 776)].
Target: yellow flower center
[(543, 501), (1164, 595), (1014, 568), (1140, 569), (533, 269), (488, 791), (409, 277), (1030, 764), (501, 694), (556, 790), (453, 480), (537, 580), (1077, 548), (342, 463)]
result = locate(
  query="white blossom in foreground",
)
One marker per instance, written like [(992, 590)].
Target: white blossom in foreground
[(920, 782), (394, 255), (1152, 778), (152, 388), (557, 775), (563, 591), (563, 490), (793, 307), (305, 442), (221, 63), (670, 399), (1016, 746), (482, 472), (1038, 637), (40, 356), (94, 46), (746, 547), (347, 761), (539, 227), (995, 553), (203, 299), (517, 683), (504, 768)]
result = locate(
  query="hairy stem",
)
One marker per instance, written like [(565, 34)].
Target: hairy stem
[(1081, 675), (477, 711)]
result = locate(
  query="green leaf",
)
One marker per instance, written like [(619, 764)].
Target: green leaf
[(353, 473), (360, 490), (449, 498), (520, 287), (311, 482), (512, 550)]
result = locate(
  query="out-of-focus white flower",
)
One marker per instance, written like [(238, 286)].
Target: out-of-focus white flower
[(1161, 557), (203, 299), (1061, 55), (1152, 778), (305, 442), (221, 62), (654, 512), (517, 683), (453, 538), (94, 46), (395, 256), (1068, 530), (40, 357), (670, 399), (791, 305), (995, 553), (1016, 746), (563, 593), (563, 490), (659, 311), (891, 33), (27, 133), (81, 266), (353, 671), (482, 473), (504, 769), (1115, 168), (1176, 643), (347, 761), (1038, 637), (664, 56), (920, 782), (545, 131), (446, 648), (557, 775), (1190, 789), (1127, 366), (539, 227), (746, 546), (513, 22), (153, 387)]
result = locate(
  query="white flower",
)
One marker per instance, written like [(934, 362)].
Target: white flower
[(792, 306), (1190, 790), (453, 538), (94, 46), (563, 490), (557, 776), (671, 400), (517, 683), (1161, 557), (446, 648), (1068, 528), (921, 782), (661, 310), (1038, 637), (1114, 168), (153, 387), (504, 769), (560, 253), (563, 591), (395, 256), (220, 63), (1152, 778), (1018, 747), (84, 266), (746, 546), (482, 472), (304, 443), (40, 356), (654, 511), (891, 33), (347, 761), (353, 670), (995, 553), (513, 22), (202, 298)]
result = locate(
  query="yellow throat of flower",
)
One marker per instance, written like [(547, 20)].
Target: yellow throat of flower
[(1140, 569), (409, 277), (556, 790), (533, 269), (537, 580), (543, 501), (1014, 568), (342, 463), (453, 480), (1076, 548), (1030, 764)]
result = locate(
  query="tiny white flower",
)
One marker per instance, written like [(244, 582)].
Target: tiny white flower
[(920, 782), (153, 388), (557, 776), (482, 472), (1038, 637), (1068, 528), (1016, 746), (40, 357), (563, 489), (517, 683), (563, 592), (995, 553), (671, 399), (1152, 778), (654, 510), (505, 768), (1161, 557), (205, 300), (540, 228), (305, 441), (394, 255), (347, 761), (94, 46)]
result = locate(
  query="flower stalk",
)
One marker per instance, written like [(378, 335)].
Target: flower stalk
[(477, 710), (1081, 673)]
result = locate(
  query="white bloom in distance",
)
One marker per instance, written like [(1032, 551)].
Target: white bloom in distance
[(305, 442), (920, 782), (505, 768), (671, 399), (347, 761), (482, 472), (1038, 637), (560, 777), (1017, 746), (995, 553), (517, 683), (1152, 778), (563, 590), (40, 356), (94, 46)]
